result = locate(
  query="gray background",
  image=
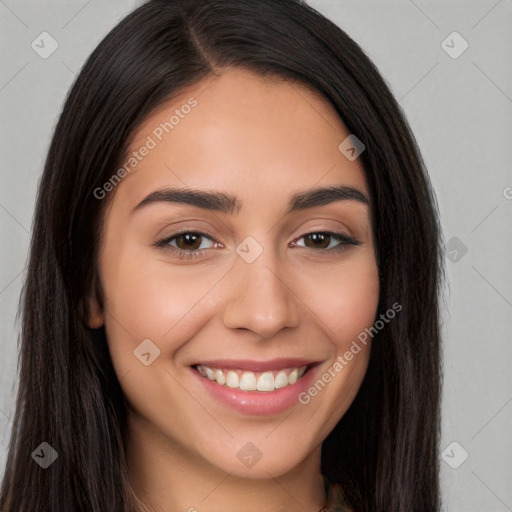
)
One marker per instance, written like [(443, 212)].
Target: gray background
[(459, 109)]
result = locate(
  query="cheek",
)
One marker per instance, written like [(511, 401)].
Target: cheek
[(345, 299), (149, 299)]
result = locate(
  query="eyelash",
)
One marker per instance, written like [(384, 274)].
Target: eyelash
[(189, 254)]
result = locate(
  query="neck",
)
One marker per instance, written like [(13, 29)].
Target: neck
[(167, 478)]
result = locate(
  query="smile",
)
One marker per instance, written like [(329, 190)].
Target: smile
[(267, 381)]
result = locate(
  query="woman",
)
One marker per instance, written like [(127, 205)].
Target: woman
[(232, 295)]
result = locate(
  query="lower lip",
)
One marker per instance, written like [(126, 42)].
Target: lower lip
[(258, 402)]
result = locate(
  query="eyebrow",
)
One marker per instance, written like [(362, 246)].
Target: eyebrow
[(228, 203)]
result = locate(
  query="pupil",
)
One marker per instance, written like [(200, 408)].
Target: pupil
[(188, 237), (320, 237)]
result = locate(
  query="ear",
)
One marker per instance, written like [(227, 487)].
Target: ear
[(95, 318)]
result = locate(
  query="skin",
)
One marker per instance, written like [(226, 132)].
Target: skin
[(261, 139)]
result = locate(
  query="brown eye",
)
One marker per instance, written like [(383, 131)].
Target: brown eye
[(319, 240), (323, 241), (188, 241)]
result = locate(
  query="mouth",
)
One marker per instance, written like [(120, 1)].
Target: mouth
[(244, 380), (262, 388)]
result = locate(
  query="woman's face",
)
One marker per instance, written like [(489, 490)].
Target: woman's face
[(254, 287)]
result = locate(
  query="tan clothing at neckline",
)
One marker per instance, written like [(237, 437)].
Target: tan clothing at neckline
[(336, 501)]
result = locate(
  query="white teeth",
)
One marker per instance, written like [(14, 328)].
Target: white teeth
[(281, 380), (232, 380), (251, 381), (219, 377), (248, 381), (266, 382)]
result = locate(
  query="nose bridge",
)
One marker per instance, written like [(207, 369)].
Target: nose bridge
[(260, 298)]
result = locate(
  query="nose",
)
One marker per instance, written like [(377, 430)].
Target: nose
[(260, 297)]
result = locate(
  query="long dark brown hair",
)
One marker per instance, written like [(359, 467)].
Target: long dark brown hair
[(385, 449)]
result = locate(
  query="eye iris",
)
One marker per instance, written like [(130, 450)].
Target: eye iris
[(323, 238), (189, 238)]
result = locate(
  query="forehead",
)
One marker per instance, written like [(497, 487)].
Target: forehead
[(257, 136)]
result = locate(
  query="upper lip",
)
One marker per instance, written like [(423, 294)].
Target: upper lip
[(256, 366)]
